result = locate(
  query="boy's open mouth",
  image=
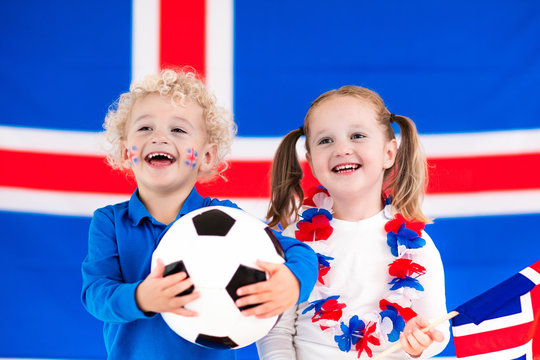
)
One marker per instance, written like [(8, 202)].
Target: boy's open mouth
[(159, 159), (345, 168)]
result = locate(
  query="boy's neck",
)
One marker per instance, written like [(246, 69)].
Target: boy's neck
[(163, 206)]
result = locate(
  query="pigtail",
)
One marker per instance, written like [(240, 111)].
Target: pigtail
[(406, 181), (285, 184)]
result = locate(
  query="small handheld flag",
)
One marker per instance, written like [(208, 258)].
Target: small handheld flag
[(502, 323)]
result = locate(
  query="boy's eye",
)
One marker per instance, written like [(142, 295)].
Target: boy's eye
[(178, 130), (145, 128)]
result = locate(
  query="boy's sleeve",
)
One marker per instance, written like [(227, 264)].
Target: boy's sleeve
[(104, 294), (302, 261)]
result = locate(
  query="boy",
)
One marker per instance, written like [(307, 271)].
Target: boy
[(169, 132)]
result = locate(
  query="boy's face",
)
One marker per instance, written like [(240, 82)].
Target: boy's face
[(166, 145)]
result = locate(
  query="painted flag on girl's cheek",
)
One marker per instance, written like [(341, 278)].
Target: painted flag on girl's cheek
[(504, 322), (469, 82)]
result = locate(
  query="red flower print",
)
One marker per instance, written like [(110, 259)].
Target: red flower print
[(395, 224)]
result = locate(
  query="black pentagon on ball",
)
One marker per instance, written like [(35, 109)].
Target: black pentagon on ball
[(215, 342), (243, 276), (174, 268), (213, 223)]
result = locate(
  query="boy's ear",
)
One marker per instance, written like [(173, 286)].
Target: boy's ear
[(125, 155), (208, 159), (390, 152)]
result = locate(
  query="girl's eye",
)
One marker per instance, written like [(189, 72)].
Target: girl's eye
[(324, 141), (357, 136)]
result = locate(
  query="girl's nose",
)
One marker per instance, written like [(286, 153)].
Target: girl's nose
[(343, 148)]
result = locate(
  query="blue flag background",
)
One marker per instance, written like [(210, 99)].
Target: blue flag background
[(459, 67)]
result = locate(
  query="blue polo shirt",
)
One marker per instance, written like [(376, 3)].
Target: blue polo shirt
[(122, 238)]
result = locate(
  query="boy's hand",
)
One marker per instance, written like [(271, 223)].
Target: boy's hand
[(414, 341), (158, 294), (274, 295)]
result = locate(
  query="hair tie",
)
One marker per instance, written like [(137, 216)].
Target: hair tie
[(301, 129), (392, 117)]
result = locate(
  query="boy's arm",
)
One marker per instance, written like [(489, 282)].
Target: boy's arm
[(300, 259), (104, 294), (302, 262)]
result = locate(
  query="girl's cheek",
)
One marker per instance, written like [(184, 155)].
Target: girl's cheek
[(191, 158)]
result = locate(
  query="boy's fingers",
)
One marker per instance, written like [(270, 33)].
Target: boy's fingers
[(268, 266), (259, 287), (253, 299), (172, 280), (180, 301), (158, 270), (177, 288), (185, 312)]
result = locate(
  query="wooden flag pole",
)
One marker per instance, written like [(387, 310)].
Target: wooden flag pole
[(434, 324)]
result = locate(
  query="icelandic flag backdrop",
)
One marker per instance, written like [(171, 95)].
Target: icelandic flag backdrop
[(502, 323), (466, 71)]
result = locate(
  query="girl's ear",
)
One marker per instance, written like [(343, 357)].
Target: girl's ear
[(208, 159), (390, 152)]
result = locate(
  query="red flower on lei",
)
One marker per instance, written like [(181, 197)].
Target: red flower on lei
[(395, 224), (317, 229), (405, 267), (367, 339)]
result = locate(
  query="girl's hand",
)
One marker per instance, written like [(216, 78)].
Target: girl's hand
[(274, 295), (414, 341), (158, 294)]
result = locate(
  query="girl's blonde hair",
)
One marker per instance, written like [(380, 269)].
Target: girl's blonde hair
[(180, 86), (405, 181)]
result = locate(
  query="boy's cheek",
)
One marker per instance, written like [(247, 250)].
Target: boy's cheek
[(191, 156), (132, 156)]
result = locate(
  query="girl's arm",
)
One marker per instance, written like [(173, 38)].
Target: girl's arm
[(278, 344), (432, 304)]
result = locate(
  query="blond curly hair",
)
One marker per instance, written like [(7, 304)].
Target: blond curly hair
[(180, 86)]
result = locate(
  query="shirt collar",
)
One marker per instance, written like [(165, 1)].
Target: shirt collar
[(137, 210)]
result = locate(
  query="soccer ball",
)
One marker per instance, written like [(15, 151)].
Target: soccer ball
[(218, 247)]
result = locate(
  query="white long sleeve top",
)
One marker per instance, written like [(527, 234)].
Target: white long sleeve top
[(359, 274)]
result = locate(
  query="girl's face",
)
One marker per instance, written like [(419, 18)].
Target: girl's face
[(348, 149), (166, 145)]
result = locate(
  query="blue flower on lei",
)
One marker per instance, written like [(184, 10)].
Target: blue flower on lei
[(311, 212), (407, 281), (405, 237), (317, 304), (351, 334), (398, 323)]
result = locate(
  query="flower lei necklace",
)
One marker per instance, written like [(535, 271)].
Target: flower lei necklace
[(365, 330)]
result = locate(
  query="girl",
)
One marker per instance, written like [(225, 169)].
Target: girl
[(380, 275)]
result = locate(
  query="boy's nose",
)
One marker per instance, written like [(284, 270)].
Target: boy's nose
[(160, 138)]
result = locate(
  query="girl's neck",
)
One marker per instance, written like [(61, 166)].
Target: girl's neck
[(355, 208), (163, 206)]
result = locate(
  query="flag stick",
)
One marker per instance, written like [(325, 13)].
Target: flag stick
[(434, 324)]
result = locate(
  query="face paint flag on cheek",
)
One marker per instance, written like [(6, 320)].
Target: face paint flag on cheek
[(191, 159), (132, 155)]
